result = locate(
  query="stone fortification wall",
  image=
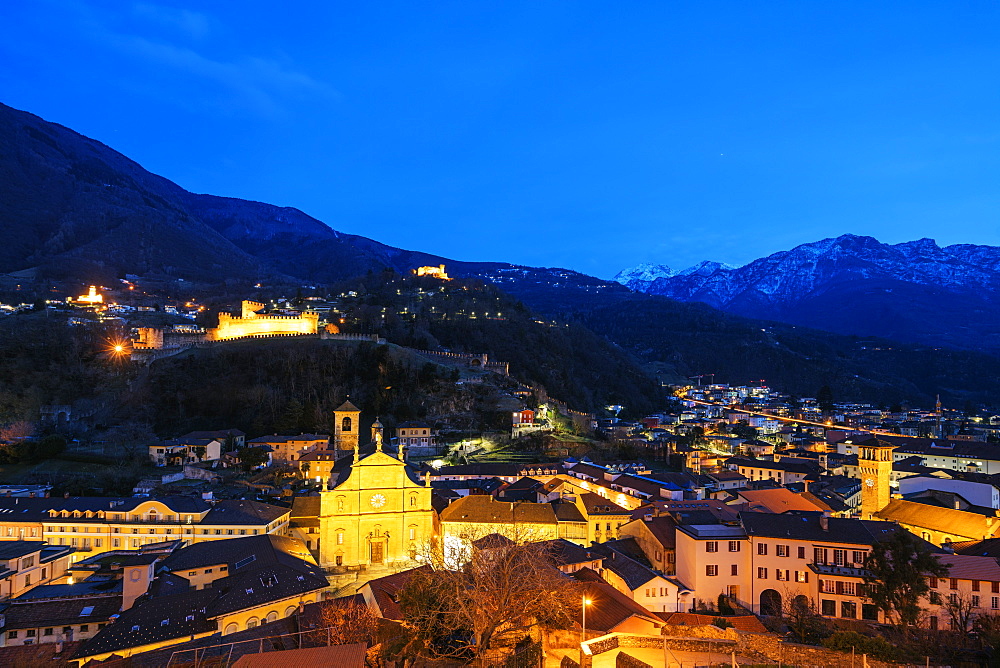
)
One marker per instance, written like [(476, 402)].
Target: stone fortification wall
[(252, 324)]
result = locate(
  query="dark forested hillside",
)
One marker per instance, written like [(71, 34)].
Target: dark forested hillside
[(569, 361), (680, 340), (293, 385)]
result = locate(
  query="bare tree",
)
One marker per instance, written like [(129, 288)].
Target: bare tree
[(346, 622), (961, 611), (800, 614), (484, 596)]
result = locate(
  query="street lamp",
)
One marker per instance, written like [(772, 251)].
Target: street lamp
[(584, 602)]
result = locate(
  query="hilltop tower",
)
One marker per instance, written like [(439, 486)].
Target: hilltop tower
[(875, 467), (346, 427)]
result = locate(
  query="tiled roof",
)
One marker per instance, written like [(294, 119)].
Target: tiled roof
[(45, 654), (31, 613), (167, 618), (194, 442), (810, 527), (686, 509), (946, 520), (628, 569), (609, 607), (663, 528), (14, 509), (348, 407), (968, 567), (524, 483), (564, 552), (12, 549), (244, 512), (306, 506), (567, 512), (342, 656), (780, 500), (746, 623), (981, 548), (66, 591), (261, 569), (480, 508), (161, 657), (596, 504), (590, 470), (386, 589)]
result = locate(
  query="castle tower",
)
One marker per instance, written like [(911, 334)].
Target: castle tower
[(346, 427), (377, 434), (875, 467)]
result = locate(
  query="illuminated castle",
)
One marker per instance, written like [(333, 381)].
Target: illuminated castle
[(433, 272), (92, 297), (252, 323)]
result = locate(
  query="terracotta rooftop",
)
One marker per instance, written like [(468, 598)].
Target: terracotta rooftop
[(966, 567), (342, 656), (945, 520), (780, 500), (609, 607)]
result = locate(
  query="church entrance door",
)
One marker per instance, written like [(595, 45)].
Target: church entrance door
[(377, 552)]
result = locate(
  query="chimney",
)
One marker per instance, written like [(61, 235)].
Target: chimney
[(824, 523), (955, 503), (805, 486)]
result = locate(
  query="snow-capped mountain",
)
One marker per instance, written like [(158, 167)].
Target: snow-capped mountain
[(639, 277), (915, 291)]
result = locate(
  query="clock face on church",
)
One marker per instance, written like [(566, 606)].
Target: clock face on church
[(870, 482), (377, 500)]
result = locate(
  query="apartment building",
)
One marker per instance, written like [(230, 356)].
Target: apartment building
[(92, 525), (765, 561)]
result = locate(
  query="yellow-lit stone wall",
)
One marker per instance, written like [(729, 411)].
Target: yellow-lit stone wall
[(251, 323)]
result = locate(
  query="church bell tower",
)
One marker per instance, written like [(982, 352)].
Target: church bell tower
[(346, 427), (875, 468)]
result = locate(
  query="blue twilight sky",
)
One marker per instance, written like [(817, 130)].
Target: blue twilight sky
[(589, 135)]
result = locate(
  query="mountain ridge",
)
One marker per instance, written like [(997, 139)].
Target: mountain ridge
[(71, 207), (855, 284)]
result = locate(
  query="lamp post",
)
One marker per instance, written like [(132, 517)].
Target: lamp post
[(584, 602)]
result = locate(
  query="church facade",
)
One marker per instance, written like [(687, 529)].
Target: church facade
[(374, 512)]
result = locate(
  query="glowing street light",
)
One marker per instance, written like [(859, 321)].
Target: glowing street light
[(584, 602)]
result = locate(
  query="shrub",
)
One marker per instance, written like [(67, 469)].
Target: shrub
[(876, 647)]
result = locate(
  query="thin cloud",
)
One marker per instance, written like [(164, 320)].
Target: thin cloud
[(262, 85), (191, 24)]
